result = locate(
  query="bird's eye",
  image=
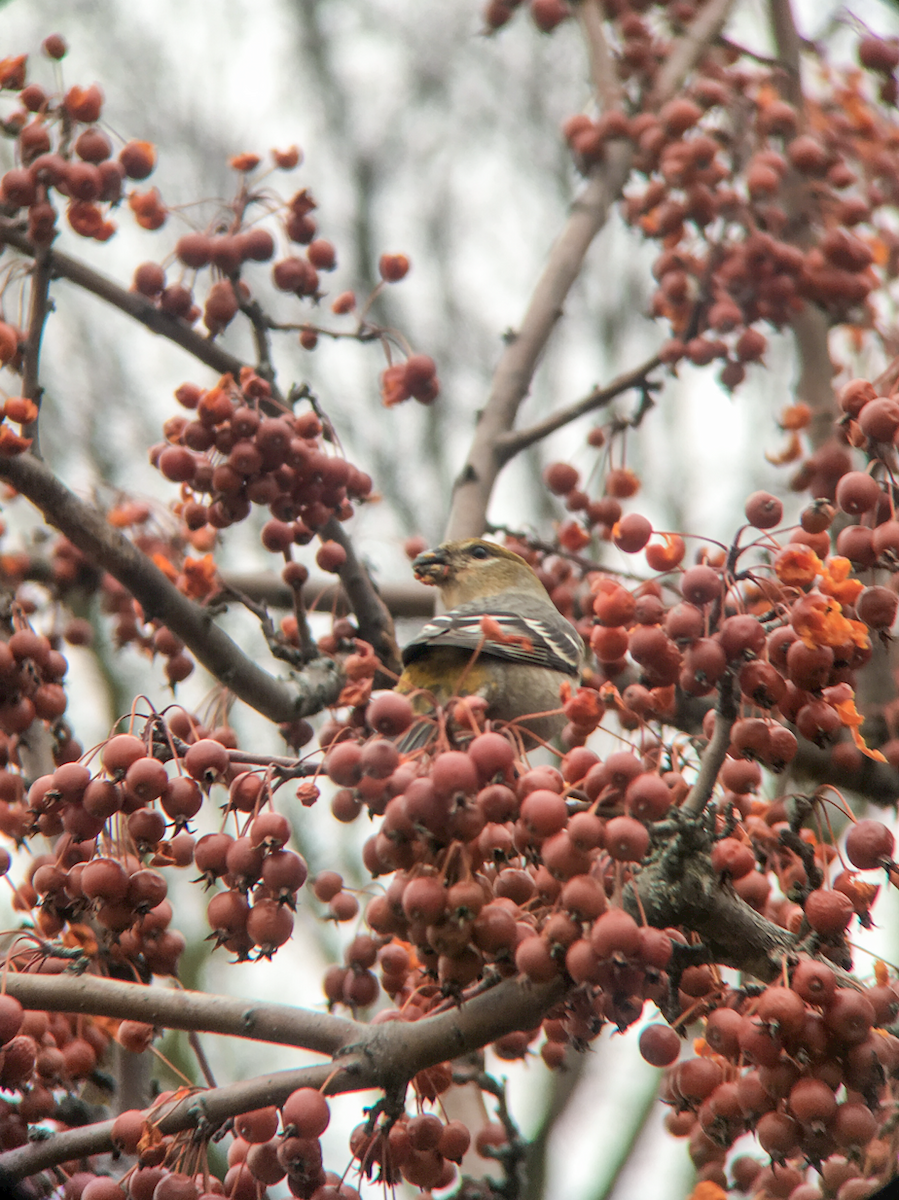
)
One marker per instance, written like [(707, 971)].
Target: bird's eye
[(480, 552)]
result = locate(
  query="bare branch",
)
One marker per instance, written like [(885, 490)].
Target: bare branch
[(382, 1056), (197, 1110), (515, 370), (688, 49), (317, 687), (510, 444), (789, 45), (602, 67), (402, 599), (175, 1008)]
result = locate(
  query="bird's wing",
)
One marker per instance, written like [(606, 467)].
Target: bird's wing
[(520, 629)]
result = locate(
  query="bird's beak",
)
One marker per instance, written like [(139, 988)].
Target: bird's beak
[(431, 567)]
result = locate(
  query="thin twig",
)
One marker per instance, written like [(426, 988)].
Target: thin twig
[(254, 313)]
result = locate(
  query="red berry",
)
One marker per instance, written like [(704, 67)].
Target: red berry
[(393, 267), (659, 1045), (307, 1111)]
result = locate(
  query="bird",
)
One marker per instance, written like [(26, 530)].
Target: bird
[(501, 638)]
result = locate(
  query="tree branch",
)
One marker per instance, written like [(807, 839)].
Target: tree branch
[(715, 752), (176, 1008), (37, 319), (384, 1056), (133, 304), (688, 49), (786, 38), (402, 599), (516, 440), (372, 614), (202, 1111), (515, 370), (875, 781), (680, 888), (317, 687), (606, 83)]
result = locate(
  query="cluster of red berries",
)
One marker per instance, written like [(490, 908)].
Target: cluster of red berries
[(604, 517), (713, 299), (113, 883), (271, 1146), (55, 157), (31, 674), (809, 1068), (232, 455), (722, 202), (422, 1150), (793, 633), (70, 571), (42, 1054), (504, 870), (62, 149), (268, 1147), (228, 250)]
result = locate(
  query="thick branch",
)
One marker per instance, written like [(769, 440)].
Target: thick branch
[(174, 1008), (316, 688), (133, 303), (680, 888), (384, 1056)]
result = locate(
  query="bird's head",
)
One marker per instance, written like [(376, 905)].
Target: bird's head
[(472, 569)]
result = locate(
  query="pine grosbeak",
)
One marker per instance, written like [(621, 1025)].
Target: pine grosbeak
[(502, 637)]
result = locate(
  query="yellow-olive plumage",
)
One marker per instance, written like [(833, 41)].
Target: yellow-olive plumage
[(526, 653)]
